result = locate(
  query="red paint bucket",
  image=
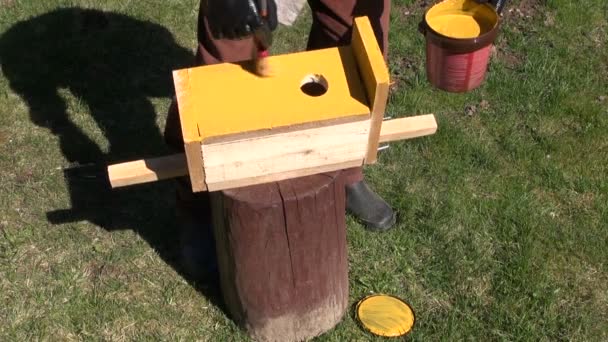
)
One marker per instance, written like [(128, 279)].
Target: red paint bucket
[(459, 37)]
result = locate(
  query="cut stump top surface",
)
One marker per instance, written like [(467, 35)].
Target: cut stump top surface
[(270, 193)]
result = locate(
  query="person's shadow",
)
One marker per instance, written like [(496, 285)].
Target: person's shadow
[(112, 64)]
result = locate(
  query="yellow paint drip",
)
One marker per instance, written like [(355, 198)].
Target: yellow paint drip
[(461, 19), (385, 315)]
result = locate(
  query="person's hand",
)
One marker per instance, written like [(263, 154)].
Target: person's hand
[(236, 19)]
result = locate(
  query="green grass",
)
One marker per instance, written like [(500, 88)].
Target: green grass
[(503, 214)]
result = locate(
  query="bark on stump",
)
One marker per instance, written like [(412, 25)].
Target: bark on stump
[(282, 256)]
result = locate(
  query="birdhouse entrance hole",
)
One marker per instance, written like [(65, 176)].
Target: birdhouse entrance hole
[(314, 85)]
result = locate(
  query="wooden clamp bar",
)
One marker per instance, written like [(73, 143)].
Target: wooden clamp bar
[(408, 128), (172, 166), (147, 170)]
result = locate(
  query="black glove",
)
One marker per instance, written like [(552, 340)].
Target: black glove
[(236, 19)]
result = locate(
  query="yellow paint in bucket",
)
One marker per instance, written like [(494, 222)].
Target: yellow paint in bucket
[(461, 19), (385, 315)]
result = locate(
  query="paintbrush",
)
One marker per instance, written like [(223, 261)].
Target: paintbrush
[(262, 41), (264, 8)]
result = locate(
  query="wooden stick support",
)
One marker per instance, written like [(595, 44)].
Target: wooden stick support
[(147, 170), (408, 128), (155, 169)]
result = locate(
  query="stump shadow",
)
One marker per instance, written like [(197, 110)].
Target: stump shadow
[(114, 64)]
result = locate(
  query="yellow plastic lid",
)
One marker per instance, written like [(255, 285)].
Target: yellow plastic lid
[(385, 315)]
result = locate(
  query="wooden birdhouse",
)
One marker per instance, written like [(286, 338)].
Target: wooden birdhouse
[(318, 111)]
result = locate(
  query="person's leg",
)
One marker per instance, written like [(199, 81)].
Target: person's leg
[(333, 21), (332, 26), (197, 244)]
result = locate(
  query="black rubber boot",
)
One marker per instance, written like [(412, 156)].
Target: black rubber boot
[(368, 207)]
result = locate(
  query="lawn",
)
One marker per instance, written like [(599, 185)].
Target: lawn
[(503, 213)]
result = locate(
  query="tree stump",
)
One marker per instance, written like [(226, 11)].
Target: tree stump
[(282, 256)]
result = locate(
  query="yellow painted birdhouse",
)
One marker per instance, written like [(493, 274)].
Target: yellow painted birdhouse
[(318, 111)]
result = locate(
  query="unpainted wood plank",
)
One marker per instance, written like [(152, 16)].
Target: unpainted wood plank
[(147, 170), (292, 153), (375, 75), (408, 128), (150, 170), (275, 177)]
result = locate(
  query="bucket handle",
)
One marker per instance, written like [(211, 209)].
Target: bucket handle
[(422, 28)]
